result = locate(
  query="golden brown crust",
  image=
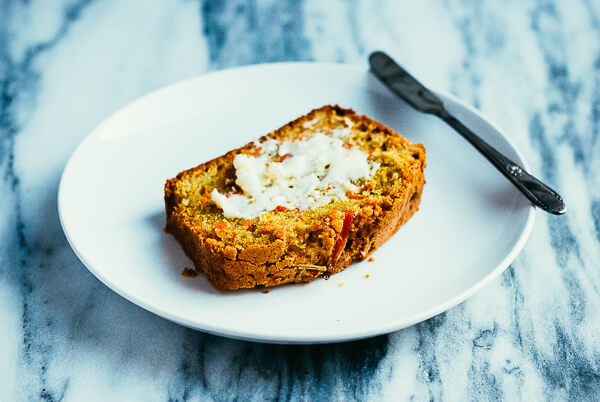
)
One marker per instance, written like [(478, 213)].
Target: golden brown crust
[(270, 254)]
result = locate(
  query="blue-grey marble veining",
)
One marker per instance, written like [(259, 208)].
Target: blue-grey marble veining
[(532, 66)]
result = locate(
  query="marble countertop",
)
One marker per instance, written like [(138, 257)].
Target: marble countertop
[(533, 67)]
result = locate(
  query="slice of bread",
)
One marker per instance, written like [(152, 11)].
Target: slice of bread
[(286, 245)]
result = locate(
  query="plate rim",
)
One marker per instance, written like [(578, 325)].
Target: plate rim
[(253, 336)]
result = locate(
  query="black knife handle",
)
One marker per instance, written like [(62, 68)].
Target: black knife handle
[(537, 192)]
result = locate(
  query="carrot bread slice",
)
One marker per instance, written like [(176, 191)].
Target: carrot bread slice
[(304, 201)]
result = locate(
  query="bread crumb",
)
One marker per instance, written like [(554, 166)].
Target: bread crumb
[(189, 272), (266, 291), (341, 284), (367, 276), (371, 259)]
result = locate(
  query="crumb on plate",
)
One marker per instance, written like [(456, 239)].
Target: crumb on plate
[(189, 272)]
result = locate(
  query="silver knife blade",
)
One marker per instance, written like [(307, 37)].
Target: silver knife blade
[(403, 84)]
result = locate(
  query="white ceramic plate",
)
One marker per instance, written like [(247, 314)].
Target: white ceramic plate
[(471, 225)]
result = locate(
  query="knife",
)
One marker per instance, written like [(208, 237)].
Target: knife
[(400, 82)]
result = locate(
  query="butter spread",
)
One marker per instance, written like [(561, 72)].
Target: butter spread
[(295, 174)]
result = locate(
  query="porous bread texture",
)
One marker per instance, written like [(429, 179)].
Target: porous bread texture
[(280, 247)]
